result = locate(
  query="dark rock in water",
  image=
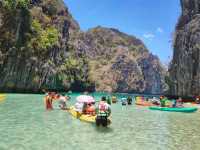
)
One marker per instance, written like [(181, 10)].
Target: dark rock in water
[(185, 68), (42, 46)]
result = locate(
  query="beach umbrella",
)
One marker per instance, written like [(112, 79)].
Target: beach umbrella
[(85, 99)]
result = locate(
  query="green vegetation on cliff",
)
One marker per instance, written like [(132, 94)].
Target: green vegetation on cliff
[(33, 48), (42, 46), (43, 38)]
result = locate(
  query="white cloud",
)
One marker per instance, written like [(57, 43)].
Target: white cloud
[(160, 30), (149, 36)]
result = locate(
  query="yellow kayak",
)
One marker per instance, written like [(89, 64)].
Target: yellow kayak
[(2, 97), (85, 118)]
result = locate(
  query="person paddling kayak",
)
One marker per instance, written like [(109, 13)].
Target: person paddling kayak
[(162, 101)]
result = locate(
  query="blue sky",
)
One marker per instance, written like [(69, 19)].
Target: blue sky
[(153, 21)]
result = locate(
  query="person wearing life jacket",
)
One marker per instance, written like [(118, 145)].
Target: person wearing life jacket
[(103, 112), (162, 101)]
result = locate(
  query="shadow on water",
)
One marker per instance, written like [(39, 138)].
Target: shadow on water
[(101, 129)]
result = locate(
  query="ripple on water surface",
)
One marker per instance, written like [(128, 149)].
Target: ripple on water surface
[(25, 125)]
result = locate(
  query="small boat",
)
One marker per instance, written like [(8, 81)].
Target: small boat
[(144, 103), (175, 109), (84, 118)]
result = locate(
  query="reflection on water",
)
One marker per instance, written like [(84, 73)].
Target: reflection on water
[(25, 125)]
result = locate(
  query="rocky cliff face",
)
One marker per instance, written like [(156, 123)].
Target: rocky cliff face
[(119, 62), (185, 68), (42, 46), (33, 44)]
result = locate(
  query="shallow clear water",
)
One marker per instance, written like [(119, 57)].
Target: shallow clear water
[(25, 125)]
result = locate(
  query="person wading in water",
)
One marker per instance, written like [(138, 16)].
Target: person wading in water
[(48, 99), (103, 112)]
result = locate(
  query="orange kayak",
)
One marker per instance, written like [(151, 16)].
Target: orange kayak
[(144, 103)]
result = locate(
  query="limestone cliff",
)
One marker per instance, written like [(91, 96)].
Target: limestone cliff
[(42, 46), (185, 68), (33, 44), (119, 62)]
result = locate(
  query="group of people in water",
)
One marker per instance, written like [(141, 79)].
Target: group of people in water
[(91, 109), (102, 110), (53, 96), (163, 101)]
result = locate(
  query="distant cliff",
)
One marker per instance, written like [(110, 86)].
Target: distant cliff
[(119, 62), (185, 68), (42, 46)]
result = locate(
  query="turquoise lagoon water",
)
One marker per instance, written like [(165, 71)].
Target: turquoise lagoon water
[(25, 125)]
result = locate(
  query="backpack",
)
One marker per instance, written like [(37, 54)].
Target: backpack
[(102, 107)]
